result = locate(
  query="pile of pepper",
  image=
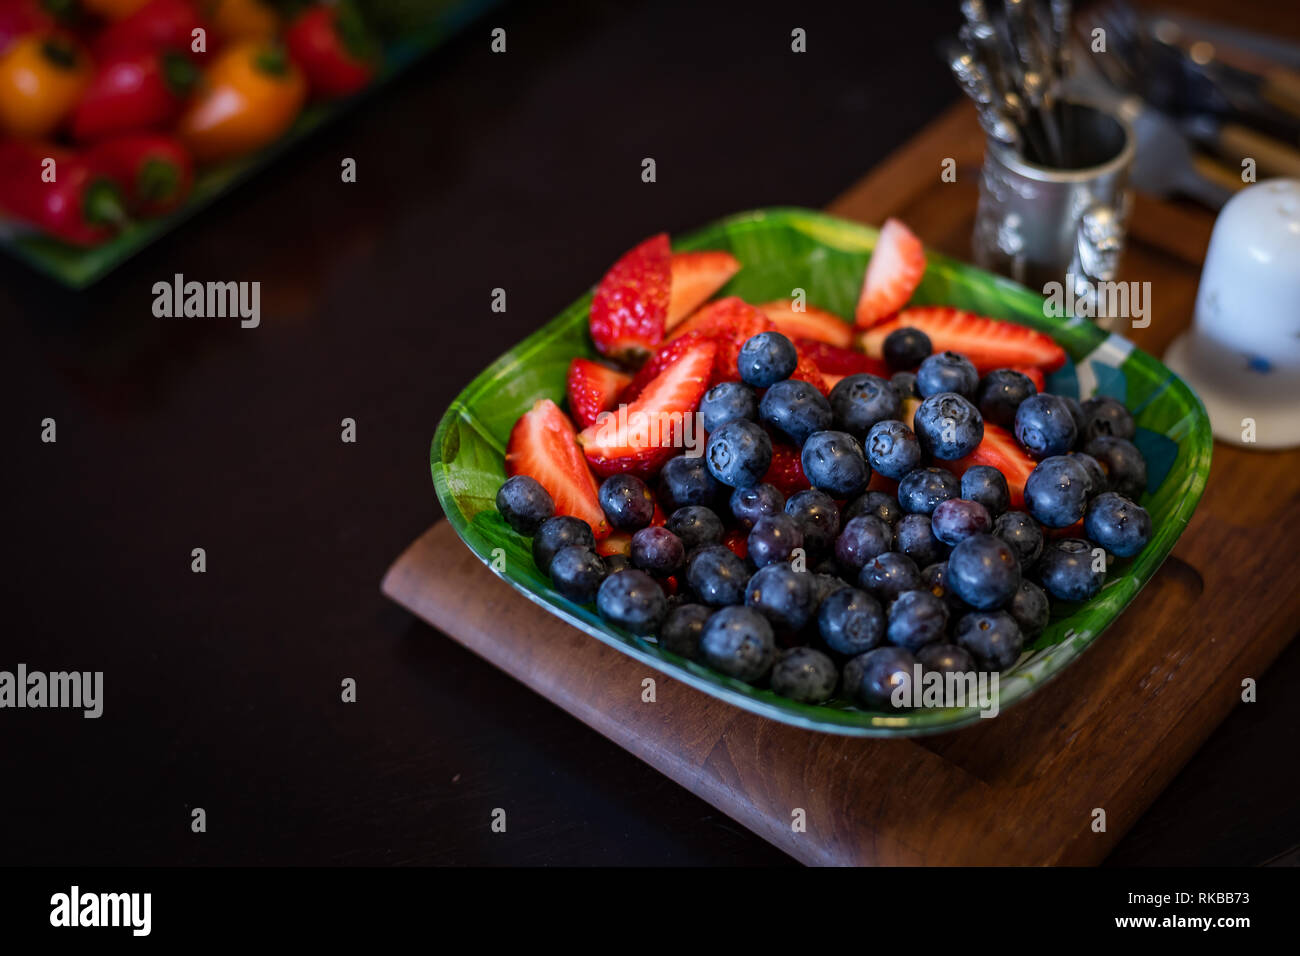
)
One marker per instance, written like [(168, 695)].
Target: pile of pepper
[(108, 106)]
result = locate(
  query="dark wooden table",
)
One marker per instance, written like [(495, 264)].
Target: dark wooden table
[(475, 172)]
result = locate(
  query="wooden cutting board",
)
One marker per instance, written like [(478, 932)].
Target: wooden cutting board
[(1024, 788)]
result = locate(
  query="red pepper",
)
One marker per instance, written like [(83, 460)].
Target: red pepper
[(133, 91), (158, 25), (153, 170), (332, 46), (82, 205)]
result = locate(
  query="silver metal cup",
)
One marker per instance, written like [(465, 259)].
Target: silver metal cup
[(1038, 225)]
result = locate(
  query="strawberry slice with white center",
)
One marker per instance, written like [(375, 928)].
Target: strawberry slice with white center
[(640, 437), (1000, 449), (665, 355), (893, 273), (543, 445), (809, 323), (631, 302), (593, 388), (987, 342), (695, 277)]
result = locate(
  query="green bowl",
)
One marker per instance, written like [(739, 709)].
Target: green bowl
[(781, 249)]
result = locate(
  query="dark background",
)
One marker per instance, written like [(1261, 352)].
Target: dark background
[(475, 171)]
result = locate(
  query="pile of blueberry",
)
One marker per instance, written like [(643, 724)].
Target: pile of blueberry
[(841, 588)]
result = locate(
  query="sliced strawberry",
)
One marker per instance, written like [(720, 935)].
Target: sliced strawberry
[(640, 437), (879, 482), (806, 370), (628, 310), (730, 316), (893, 273), (738, 542), (665, 355), (1035, 375), (695, 277), (593, 388), (1001, 450), (989, 343), (543, 446), (832, 380), (811, 323), (786, 470), (833, 360)]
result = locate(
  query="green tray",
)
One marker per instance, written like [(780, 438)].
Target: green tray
[(781, 249), (78, 267)]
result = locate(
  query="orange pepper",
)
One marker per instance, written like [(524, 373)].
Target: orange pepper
[(243, 19), (42, 75), (113, 9), (248, 97)]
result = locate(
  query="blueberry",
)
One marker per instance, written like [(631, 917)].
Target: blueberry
[(860, 540), (805, 674), (1096, 474), (576, 572), (993, 638), (727, 402), (1126, 469), (627, 502), (946, 659), (917, 618), (1066, 570), (906, 348), (988, 486), (861, 400), (757, 501), (833, 461), (824, 584), (1056, 491), (1076, 412), (682, 629), (774, 539), (717, 576), (795, 409), (905, 384), (947, 372), (739, 454), (633, 600), (524, 504), (1117, 524), (1103, 415), (914, 536), (556, 533), (1031, 609), (696, 525), (983, 572), (886, 670), (658, 551), (921, 491), (1023, 534), (1044, 426), (851, 676), (739, 642), (851, 621), (818, 518), (934, 578), (766, 358), (948, 426), (893, 449), (1001, 393), (687, 481), (883, 506), (957, 519), (888, 575), (783, 595)]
